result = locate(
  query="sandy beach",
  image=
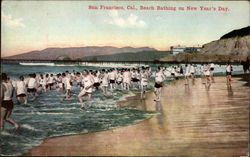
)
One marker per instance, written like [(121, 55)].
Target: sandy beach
[(193, 120)]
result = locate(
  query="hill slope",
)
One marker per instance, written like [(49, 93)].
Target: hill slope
[(233, 46), (75, 52), (237, 33)]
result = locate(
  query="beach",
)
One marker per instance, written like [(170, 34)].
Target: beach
[(193, 120)]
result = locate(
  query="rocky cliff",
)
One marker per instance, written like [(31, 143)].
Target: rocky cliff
[(234, 46)]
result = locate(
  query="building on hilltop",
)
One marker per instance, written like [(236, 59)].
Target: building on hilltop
[(179, 49)]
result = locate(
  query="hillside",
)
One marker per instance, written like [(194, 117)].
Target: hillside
[(237, 33), (138, 56), (233, 46), (75, 52)]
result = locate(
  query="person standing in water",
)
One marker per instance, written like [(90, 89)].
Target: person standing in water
[(112, 78), (144, 82), (6, 102), (119, 79), (96, 81), (21, 90), (159, 78), (229, 70), (104, 81), (88, 81), (67, 85), (126, 79), (32, 84)]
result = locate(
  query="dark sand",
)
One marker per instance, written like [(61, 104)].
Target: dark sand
[(194, 120)]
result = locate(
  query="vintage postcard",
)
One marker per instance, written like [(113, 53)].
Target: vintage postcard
[(125, 78)]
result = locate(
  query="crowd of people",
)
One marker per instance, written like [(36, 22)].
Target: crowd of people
[(89, 81)]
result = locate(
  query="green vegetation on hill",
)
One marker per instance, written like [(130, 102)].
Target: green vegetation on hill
[(138, 56)]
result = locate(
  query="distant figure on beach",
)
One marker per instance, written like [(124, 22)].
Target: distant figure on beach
[(212, 72), (21, 90), (159, 78), (6, 101), (246, 65), (229, 70), (201, 71), (192, 72), (173, 71), (206, 70), (187, 74), (181, 70), (144, 82), (88, 81)]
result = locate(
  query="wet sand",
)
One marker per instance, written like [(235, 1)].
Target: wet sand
[(193, 120)]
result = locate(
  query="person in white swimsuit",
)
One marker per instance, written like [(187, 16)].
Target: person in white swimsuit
[(78, 79), (112, 78), (119, 78), (212, 72), (207, 73), (134, 78), (88, 84), (144, 82), (21, 90), (159, 78), (104, 77), (187, 74), (68, 86), (96, 81), (126, 79), (6, 102), (32, 86), (51, 82), (229, 70), (43, 82), (192, 72)]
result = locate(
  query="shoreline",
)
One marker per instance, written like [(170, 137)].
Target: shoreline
[(128, 100), (132, 128), (146, 62)]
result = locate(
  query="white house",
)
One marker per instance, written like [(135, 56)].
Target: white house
[(178, 49)]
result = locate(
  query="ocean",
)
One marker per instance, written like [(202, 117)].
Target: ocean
[(51, 116)]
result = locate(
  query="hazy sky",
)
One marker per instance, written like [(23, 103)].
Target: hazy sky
[(36, 25)]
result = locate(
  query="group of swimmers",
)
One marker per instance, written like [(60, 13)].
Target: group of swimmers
[(90, 81)]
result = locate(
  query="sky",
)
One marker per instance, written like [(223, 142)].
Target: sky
[(37, 25)]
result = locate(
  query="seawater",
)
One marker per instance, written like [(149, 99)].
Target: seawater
[(50, 116)]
